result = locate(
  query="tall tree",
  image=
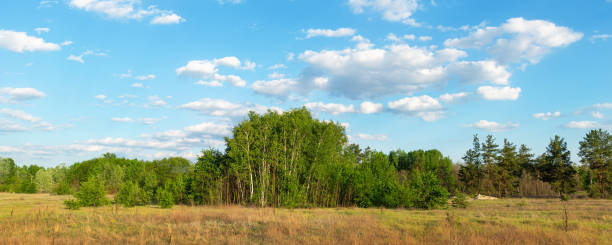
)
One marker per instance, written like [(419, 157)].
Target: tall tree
[(470, 173), (556, 167), (596, 153)]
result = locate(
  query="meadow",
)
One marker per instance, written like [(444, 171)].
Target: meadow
[(43, 219)]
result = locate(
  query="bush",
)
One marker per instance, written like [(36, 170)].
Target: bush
[(92, 193), (62, 188), (165, 198), (460, 201), (131, 195), (72, 204), (425, 191)]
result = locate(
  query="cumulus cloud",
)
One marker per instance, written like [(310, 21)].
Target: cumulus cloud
[(13, 95), (209, 69), (331, 108), (455, 97), (137, 85), (17, 114), (518, 40), (167, 18), (499, 93), (122, 119), (277, 66), (223, 108), (480, 71), (425, 107), (373, 137), (100, 97), (281, 88), (368, 107), (126, 10), (546, 115), (601, 37), (155, 102), (20, 42), (340, 32), (493, 126), (392, 10)]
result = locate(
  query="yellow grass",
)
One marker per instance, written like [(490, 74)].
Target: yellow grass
[(42, 219)]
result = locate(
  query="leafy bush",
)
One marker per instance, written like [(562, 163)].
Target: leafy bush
[(62, 188), (425, 191), (92, 193), (72, 204), (130, 195), (460, 201), (165, 198)]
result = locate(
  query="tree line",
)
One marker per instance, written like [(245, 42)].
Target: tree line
[(291, 159)]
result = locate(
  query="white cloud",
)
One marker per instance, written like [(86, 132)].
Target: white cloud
[(281, 88), (17, 114), (66, 43), (597, 115), (415, 104), (277, 66), (145, 77), (374, 137), (425, 107), (340, 32), (210, 83), (223, 108), (276, 75), (76, 58), (40, 30), (392, 10), (451, 98), (137, 85), (583, 124), (499, 93), (368, 107), (122, 119), (480, 72), (493, 126), (210, 129), (169, 18), (518, 40), (331, 108), (20, 42), (10, 127), (127, 9), (207, 69), (546, 115), (155, 101), (79, 58), (365, 72), (100, 97), (601, 37), (424, 38), (12, 95), (603, 106)]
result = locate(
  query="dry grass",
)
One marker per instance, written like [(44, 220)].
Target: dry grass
[(42, 219)]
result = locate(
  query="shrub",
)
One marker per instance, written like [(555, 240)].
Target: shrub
[(425, 191), (460, 201), (165, 198), (131, 195), (92, 193), (72, 204)]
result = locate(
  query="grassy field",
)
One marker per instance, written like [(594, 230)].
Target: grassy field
[(42, 219)]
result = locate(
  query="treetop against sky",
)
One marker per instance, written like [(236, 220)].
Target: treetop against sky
[(150, 79)]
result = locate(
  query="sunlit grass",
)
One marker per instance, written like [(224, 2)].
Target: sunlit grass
[(42, 219)]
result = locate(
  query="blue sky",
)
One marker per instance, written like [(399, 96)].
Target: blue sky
[(150, 79)]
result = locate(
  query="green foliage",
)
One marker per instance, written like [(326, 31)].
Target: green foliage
[(130, 195), (425, 191), (596, 153), (460, 201), (92, 193), (165, 198), (72, 204), (556, 167)]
